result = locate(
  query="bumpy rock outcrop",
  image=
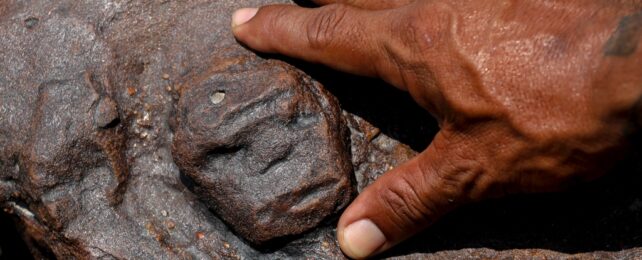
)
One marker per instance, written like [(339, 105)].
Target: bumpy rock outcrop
[(141, 129), (144, 123)]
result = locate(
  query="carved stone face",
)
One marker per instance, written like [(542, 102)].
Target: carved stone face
[(58, 124), (265, 148)]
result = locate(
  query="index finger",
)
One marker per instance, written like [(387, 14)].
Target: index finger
[(340, 36), (367, 4)]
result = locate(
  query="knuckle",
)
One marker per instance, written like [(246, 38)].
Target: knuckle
[(457, 183), (415, 32), (325, 25), (405, 204), (424, 27), (463, 176), (276, 17)]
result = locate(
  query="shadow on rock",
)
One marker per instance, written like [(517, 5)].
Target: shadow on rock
[(391, 110)]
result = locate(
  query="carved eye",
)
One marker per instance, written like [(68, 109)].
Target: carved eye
[(31, 22), (217, 97)]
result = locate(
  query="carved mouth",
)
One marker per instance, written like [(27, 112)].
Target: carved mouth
[(312, 195), (300, 205), (302, 201)]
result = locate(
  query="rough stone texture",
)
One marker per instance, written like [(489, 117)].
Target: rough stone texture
[(140, 129), (266, 147)]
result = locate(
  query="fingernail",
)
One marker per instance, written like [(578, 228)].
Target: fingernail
[(243, 15), (362, 239)]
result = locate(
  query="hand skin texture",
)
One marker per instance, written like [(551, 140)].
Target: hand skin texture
[(531, 96)]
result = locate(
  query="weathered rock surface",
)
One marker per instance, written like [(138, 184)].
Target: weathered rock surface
[(266, 147), (140, 129)]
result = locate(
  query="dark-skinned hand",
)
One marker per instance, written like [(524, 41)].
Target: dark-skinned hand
[(531, 96)]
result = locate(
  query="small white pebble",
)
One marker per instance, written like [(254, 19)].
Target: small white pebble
[(217, 97)]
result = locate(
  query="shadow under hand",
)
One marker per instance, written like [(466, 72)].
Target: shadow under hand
[(305, 3), (391, 110), (605, 215)]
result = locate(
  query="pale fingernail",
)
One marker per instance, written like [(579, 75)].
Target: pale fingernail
[(362, 238), (243, 15)]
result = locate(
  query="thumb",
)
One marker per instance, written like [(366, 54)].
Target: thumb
[(409, 198)]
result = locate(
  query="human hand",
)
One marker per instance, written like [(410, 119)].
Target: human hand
[(531, 96)]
